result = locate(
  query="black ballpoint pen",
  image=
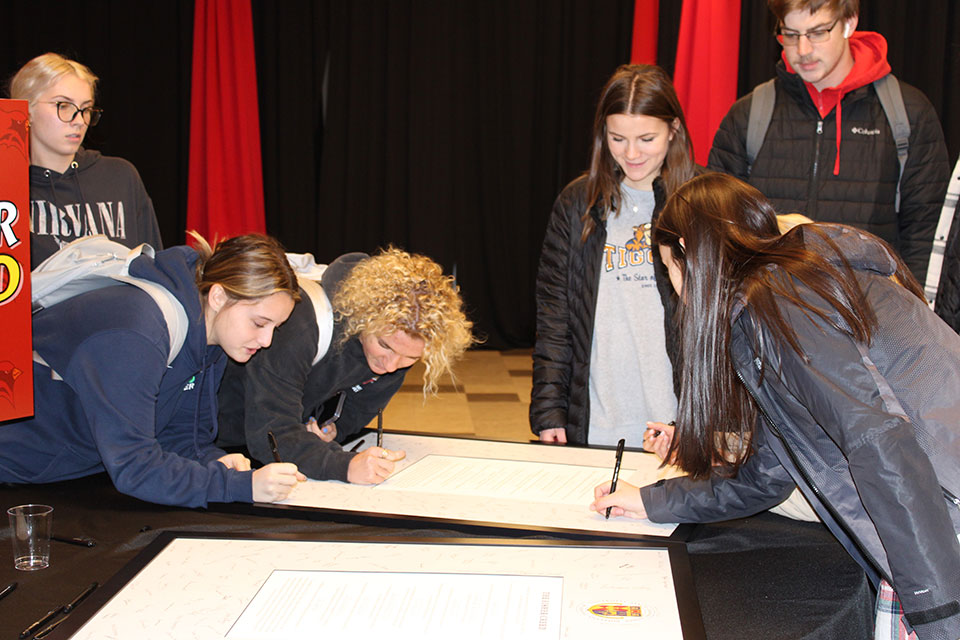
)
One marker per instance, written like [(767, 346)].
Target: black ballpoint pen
[(7, 589), (273, 446), (42, 621), (80, 542), (50, 615), (616, 471), (380, 428), (67, 608), (47, 630)]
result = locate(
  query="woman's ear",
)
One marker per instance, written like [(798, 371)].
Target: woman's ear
[(683, 245), (216, 297)]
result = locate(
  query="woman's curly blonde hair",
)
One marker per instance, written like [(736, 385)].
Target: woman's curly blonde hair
[(396, 290)]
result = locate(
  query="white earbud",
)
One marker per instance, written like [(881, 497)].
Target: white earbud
[(846, 31)]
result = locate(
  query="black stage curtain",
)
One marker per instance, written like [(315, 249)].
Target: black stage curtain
[(442, 127), (141, 51)]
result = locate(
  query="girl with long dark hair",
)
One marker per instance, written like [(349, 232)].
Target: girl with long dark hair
[(811, 358)]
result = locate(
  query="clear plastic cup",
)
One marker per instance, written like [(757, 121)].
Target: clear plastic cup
[(31, 525)]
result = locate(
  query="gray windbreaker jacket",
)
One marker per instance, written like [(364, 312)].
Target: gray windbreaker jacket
[(870, 434)]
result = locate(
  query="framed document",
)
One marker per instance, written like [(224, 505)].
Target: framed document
[(495, 488), (270, 587)]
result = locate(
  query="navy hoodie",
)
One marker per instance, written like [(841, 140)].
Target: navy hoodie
[(96, 194), (119, 407)]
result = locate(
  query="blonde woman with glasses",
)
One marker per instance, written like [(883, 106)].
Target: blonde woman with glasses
[(76, 192)]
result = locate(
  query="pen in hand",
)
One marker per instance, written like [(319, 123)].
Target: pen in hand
[(616, 472), (273, 446), (380, 428)]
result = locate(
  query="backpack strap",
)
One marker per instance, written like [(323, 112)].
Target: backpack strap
[(891, 99), (308, 277), (94, 262), (173, 312), (763, 97), (324, 312)]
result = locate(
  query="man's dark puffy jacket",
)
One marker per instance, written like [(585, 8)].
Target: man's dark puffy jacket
[(794, 167), (567, 284)]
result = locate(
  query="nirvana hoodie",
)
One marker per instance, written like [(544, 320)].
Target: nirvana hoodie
[(119, 407), (97, 194)]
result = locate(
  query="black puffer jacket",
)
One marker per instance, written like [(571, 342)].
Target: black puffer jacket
[(567, 283), (870, 434), (794, 167)]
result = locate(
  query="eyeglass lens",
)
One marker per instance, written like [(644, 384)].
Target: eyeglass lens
[(815, 36), (67, 111)]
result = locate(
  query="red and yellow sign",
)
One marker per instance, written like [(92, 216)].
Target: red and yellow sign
[(16, 351)]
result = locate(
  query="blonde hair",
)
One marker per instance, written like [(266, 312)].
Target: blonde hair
[(399, 291), (248, 267), (44, 71)]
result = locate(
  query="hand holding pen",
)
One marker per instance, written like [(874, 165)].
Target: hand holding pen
[(274, 482), (618, 498), (657, 438), (616, 473), (327, 432)]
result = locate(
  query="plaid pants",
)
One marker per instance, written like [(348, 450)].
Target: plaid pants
[(891, 625)]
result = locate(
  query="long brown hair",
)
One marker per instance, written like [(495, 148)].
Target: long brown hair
[(730, 242), (635, 89)]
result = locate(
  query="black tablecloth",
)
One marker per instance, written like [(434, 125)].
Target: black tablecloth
[(759, 578)]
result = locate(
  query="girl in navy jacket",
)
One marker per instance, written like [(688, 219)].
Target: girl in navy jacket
[(109, 401)]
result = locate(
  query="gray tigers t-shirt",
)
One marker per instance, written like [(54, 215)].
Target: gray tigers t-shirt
[(631, 379)]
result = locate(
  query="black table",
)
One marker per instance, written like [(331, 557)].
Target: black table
[(762, 577)]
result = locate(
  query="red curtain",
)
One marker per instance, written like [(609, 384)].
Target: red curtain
[(225, 189), (706, 70), (645, 17)]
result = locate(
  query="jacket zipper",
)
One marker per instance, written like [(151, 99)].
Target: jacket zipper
[(812, 192), (950, 497)]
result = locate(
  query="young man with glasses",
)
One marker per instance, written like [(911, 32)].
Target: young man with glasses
[(829, 151), (75, 192)]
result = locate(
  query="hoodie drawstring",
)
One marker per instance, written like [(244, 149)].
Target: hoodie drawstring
[(196, 411), (210, 382), (836, 162), (82, 205)]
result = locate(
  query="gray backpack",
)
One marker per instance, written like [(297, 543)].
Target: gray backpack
[(891, 99), (94, 262)]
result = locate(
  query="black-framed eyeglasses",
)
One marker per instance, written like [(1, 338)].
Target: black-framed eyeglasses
[(67, 111), (814, 36)]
